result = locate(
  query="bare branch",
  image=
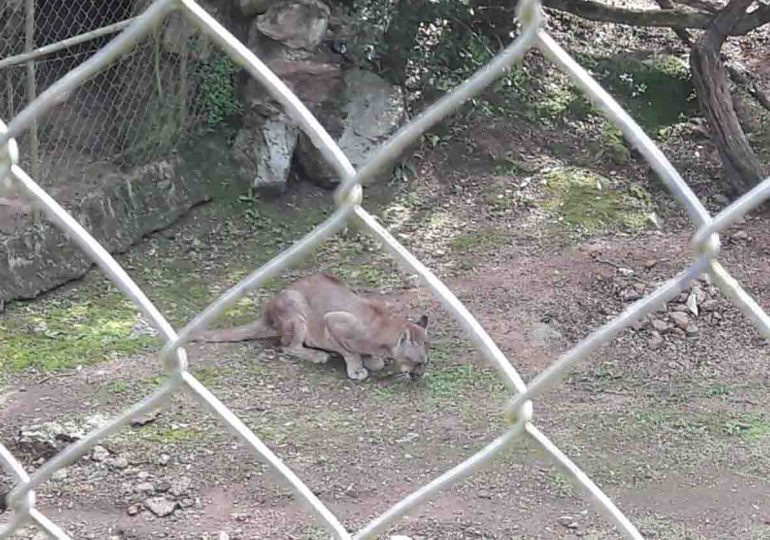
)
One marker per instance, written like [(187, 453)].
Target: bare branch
[(680, 31), (700, 5), (661, 18), (596, 11), (752, 20)]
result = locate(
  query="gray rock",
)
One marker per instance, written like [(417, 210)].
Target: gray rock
[(298, 24), (681, 320), (125, 208), (120, 463), (545, 334), (99, 453), (630, 295), (47, 439), (132, 510), (368, 111), (180, 486), (160, 506), (655, 341), (740, 235), (147, 418), (60, 474), (144, 487), (265, 152), (709, 305), (692, 304), (659, 326)]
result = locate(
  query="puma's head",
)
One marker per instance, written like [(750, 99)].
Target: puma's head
[(411, 350)]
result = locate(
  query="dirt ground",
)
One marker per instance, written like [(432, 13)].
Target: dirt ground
[(670, 419)]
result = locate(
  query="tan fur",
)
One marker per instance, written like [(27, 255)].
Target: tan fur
[(320, 313)]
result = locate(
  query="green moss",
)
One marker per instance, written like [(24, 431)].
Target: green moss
[(170, 435), (657, 90), (482, 240), (81, 328), (584, 200), (613, 145)]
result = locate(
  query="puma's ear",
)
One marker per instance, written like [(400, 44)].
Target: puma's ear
[(423, 321)]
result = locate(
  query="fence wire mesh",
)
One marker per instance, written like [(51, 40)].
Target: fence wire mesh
[(705, 246), (140, 108)]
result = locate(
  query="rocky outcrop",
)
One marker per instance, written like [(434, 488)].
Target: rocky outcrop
[(358, 108), (265, 152), (297, 24), (119, 212), (361, 118)]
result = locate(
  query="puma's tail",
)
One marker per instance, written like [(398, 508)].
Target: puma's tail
[(259, 329)]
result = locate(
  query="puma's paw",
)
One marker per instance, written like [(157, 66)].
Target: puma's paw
[(318, 357), (374, 363), (358, 374)]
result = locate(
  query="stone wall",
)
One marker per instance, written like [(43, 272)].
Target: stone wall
[(119, 212)]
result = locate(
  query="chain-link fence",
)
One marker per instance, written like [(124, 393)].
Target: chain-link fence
[(143, 106), (705, 245)]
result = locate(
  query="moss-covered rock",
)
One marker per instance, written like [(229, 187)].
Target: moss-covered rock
[(583, 200)]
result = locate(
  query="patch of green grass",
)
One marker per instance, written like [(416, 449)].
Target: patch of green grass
[(482, 240), (612, 144), (170, 435), (119, 387), (81, 328), (719, 390), (207, 374), (563, 486), (717, 424), (750, 427), (498, 197), (584, 200), (448, 382)]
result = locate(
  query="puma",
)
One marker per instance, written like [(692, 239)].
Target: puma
[(319, 314)]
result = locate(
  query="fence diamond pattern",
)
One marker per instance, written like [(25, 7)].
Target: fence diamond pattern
[(705, 246)]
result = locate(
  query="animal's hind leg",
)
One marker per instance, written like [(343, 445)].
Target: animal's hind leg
[(293, 341), (288, 314)]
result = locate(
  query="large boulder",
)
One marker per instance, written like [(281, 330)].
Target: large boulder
[(298, 24), (264, 152), (120, 211), (360, 118)]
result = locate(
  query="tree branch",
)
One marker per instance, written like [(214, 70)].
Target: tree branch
[(596, 11), (752, 21), (700, 5), (661, 18), (680, 31)]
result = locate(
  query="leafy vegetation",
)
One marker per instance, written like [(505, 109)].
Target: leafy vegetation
[(216, 99)]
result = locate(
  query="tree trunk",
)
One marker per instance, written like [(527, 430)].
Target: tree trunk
[(710, 76)]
